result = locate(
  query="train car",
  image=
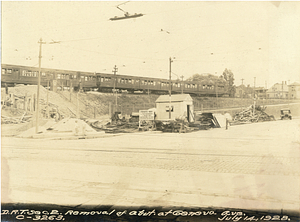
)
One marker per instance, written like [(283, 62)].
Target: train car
[(14, 74), (86, 80), (64, 79)]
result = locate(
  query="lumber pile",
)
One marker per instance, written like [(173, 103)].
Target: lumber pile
[(250, 115), (205, 121), (174, 126), (15, 120)]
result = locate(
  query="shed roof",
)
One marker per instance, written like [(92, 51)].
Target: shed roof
[(174, 98)]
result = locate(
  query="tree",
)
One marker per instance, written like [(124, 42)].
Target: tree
[(199, 78), (229, 78)]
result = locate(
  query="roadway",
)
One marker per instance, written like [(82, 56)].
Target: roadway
[(251, 166)]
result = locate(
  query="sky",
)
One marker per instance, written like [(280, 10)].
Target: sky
[(258, 41)]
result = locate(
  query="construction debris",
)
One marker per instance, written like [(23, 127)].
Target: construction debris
[(251, 114), (179, 125), (205, 121), (15, 120), (65, 128)]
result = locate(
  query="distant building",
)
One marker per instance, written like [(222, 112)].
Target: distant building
[(260, 92), (243, 91), (294, 90), (278, 91)]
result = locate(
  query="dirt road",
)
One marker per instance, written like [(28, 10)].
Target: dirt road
[(253, 166)]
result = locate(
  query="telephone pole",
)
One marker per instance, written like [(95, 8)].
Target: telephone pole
[(39, 83), (181, 84), (38, 87), (254, 87), (115, 70), (170, 86)]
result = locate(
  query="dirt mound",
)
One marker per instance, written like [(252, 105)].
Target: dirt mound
[(55, 100)]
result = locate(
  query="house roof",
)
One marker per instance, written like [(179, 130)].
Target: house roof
[(174, 98), (295, 84)]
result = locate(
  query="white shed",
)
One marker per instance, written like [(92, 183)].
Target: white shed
[(181, 105)]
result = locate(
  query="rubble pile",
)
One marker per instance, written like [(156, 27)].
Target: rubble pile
[(204, 121), (15, 120), (14, 116), (119, 123), (178, 125), (250, 115)]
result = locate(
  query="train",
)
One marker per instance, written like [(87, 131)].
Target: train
[(12, 75)]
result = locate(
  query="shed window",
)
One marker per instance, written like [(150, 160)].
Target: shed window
[(167, 108)]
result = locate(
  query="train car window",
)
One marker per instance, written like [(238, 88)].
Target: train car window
[(129, 80), (154, 83), (29, 73), (85, 79), (34, 74), (102, 79), (43, 74), (9, 71), (3, 71), (58, 76), (137, 81), (143, 82), (126, 80)]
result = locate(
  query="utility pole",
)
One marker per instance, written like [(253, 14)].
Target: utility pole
[(242, 81), (115, 72), (181, 84), (115, 80), (254, 87), (38, 87), (282, 90), (254, 99), (217, 85), (266, 86), (170, 86)]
